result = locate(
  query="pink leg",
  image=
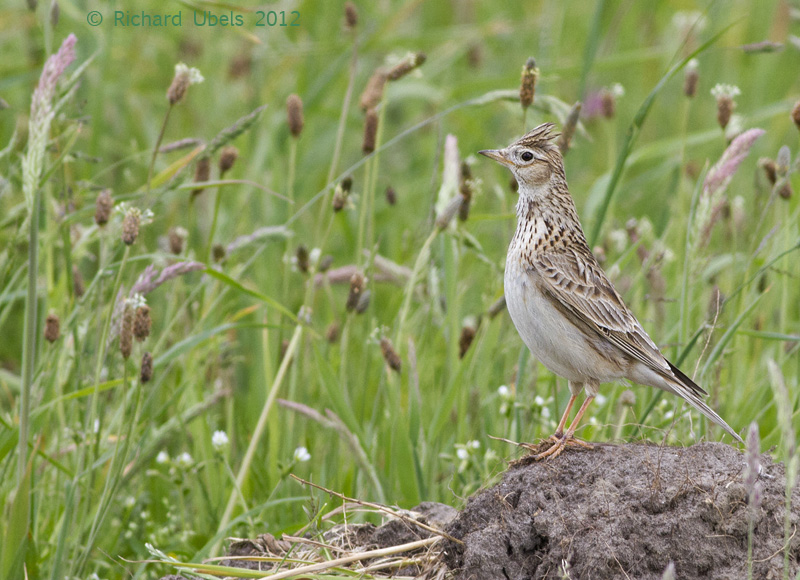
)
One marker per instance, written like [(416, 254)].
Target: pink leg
[(567, 438)]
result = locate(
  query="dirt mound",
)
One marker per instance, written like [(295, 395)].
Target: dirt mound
[(625, 511)]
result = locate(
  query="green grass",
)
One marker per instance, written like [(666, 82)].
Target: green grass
[(100, 487)]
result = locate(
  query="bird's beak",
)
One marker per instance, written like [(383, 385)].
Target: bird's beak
[(496, 154)]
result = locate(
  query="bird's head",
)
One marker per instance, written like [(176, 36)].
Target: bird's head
[(532, 158)]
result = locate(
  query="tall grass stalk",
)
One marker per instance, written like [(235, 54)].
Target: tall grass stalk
[(213, 230), (337, 145), (118, 460), (255, 439), (29, 337), (33, 164), (159, 140)]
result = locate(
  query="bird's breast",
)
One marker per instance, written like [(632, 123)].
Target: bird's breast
[(551, 337)]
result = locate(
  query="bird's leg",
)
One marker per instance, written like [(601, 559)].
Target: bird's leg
[(563, 423), (571, 431), (559, 434), (567, 438)]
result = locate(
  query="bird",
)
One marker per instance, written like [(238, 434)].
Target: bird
[(563, 304)]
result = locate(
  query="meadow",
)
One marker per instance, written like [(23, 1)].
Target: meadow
[(307, 256)]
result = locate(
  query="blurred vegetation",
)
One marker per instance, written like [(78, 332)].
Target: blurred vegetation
[(116, 464)]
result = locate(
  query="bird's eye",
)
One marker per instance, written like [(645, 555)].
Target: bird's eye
[(526, 156)]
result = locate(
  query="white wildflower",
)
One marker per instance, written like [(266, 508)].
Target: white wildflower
[(722, 90), (193, 74), (184, 460), (219, 440), (313, 256), (301, 455)]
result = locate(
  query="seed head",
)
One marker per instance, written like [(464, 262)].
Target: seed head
[(202, 173), (363, 302), (302, 259), (126, 331), (218, 253), (130, 225), (770, 169), (373, 92), (142, 323), (691, 78), (52, 328), (177, 236), (325, 263), (568, 131), (390, 355), (410, 62), (332, 333), (357, 282), (391, 195), (608, 99), (796, 114), (725, 95), (147, 368), (350, 15), (785, 189), (527, 87), (183, 79), (77, 282), (465, 340), (102, 207), (341, 193), (466, 189), (227, 157), (294, 113), (370, 132)]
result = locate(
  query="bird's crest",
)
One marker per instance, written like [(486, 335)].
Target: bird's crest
[(541, 137)]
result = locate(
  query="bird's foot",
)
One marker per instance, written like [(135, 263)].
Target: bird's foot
[(553, 446)]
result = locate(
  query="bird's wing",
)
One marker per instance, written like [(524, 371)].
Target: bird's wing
[(580, 289)]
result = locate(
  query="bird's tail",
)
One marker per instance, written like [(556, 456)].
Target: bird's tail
[(686, 388)]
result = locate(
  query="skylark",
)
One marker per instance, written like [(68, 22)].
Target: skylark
[(562, 303)]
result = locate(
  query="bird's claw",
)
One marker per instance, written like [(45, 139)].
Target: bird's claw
[(558, 442)]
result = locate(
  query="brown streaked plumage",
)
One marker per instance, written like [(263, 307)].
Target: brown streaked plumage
[(562, 303)]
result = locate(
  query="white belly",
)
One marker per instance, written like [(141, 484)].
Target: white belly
[(551, 337)]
